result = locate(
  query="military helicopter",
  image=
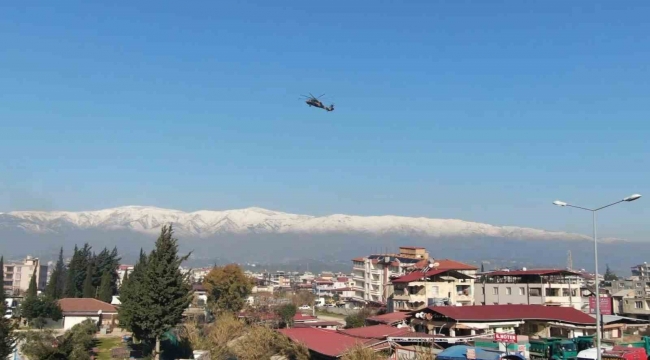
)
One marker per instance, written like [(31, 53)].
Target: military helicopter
[(313, 101)]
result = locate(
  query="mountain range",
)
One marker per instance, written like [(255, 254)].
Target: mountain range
[(256, 234)]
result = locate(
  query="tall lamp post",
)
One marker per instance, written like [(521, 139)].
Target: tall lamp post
[(593, 212)]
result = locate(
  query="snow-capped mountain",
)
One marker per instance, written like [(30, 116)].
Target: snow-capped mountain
[(261, 221)]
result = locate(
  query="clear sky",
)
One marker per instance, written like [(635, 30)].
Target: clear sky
[(479, 110)]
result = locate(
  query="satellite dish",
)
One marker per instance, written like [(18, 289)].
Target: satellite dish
[(434, 265)]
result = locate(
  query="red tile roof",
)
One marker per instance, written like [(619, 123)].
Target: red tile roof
[(342, 279), (302, 317), (317, 324), (389, 318), (532, 272), (449, 264), (358, 259), (85, 306), (379, 332), (513, 312), (322, 341)]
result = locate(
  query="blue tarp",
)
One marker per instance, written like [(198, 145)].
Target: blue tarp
[(459, 352)]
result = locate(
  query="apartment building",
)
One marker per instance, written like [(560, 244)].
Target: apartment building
[(122, 272), (372, 275), (431, 286), (551, 287), (17, 275), (631, 296), (333, 285)]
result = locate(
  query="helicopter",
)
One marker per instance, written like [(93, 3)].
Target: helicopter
[(313, 101)]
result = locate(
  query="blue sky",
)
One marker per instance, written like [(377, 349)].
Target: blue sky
[(484, 111)]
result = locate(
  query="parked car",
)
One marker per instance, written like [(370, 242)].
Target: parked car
[(330, 305), (305, 307)]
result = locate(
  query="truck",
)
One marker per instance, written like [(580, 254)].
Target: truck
[(553, 349), (644, 343), (625, 353)]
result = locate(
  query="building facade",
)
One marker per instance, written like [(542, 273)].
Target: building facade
[(17, 275), (423, 288), (372, 275), (551, 287)]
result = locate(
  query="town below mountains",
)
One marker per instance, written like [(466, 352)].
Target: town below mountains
[(274, 238)]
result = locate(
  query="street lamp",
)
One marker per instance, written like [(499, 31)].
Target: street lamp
[(593, 212)]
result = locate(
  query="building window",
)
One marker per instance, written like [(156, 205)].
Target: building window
[(522, 291), (508, 291), (638, 304), (495, 291), (565, 292), (535, 292)]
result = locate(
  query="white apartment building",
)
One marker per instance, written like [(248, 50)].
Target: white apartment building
[(342, 286), (17, 275), (428, 287), (372, 274), (122, 271), (551, 287)]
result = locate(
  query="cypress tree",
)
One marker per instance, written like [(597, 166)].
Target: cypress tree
[(70, 289), (163, 288), (7, 338), (105, 290), (32, 290), (88, 288), (55, 288), (131, 298)]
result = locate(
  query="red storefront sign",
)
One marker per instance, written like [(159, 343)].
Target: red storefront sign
[(605, 305), (505, 338)]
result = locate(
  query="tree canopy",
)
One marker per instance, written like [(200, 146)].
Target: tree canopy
[(609, 274), (227, 287), (55, 287), (162, 290)]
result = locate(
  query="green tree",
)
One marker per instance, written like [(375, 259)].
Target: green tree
[(609, 274), (75, 343), (88, 288), (55, 287), (165, 292), (286, 313), (227, 287), (105, 289), (358, 319), (131, 298), (77, 269), (7, 338), (32, 290), (38, 308)]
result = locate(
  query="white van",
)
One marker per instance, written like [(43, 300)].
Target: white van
[(590, 354)]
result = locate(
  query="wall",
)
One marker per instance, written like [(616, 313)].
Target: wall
[(70, 321)]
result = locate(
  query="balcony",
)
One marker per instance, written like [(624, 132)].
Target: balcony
[(464, 298)]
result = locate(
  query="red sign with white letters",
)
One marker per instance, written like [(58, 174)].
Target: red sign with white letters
[(505, 338)]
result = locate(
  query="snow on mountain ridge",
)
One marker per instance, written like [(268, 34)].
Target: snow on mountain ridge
[(204, 223)]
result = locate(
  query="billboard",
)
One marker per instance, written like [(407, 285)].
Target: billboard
[(605, 305), (505, 338)]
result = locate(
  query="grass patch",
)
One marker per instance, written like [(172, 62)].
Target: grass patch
[(104, 346), (327, 313)]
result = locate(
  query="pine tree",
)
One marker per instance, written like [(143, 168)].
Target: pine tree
[(105, 290), (131, 299), (609, 274), (124, 280), (32, 290), (88, 288), (482, 267), (55, 288), (70, 288), (164, 289)]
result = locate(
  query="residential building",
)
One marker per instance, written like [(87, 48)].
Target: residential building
[(529, 320), (422, 288), (551, 287), (372, 274), (123, 271), (76, 311), (333, 285), (631, 296), (17, 275)]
